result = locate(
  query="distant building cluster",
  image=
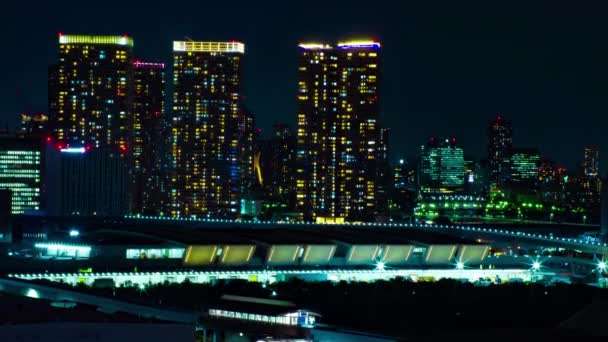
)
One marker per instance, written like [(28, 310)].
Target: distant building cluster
[(111, 146)]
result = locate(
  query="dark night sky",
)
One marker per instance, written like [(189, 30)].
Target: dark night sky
[(447, 67)]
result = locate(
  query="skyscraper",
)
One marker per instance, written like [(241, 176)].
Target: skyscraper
[(248, 137), (148, 192), (277, 156), (89, 90), (500, 142), (207, 129), (338, 131), (590, 182), (441, 166), (591, 164), (383, 173)]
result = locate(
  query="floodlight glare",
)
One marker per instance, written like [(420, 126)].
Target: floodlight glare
[(460, 265), (536, 265), (380, 265)]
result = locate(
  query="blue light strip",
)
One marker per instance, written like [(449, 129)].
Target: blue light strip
[(73, 150)]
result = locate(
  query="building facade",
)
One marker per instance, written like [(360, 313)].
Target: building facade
[(276, 159), (338, 131), (85, 182), (525, 166), (500, 143), (22, 171), (148, 184), (207, 134), (442, 166), (591, 164), (89, 92)]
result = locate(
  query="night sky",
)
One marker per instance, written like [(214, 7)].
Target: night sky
[(447, 68)]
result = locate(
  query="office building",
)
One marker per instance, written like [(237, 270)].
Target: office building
[(500, 143), (87, 182), (383, 173), (22, 171), (248, 137), (547, 172), (591, 164), (276, 157), (338, 131), (89, 92), (442, 167), (207, 129), (6, 227), (524, 166), (148, 185)]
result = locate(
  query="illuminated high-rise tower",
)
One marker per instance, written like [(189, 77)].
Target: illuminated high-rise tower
[(338, 133), (591, 164), (207, 129), (89, 91), (591, 181), (148, 142), (500, 143)]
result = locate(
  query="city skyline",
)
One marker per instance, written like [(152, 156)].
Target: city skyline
[(315, 171), (412, 71)]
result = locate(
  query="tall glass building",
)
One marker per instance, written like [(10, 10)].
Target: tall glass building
[(500, 143), (338, 131), (89, 91), (21, 171), (148, 192), (207, 129)]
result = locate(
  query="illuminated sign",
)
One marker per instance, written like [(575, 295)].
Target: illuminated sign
[(109, 40), (314, 46), (209, 46)]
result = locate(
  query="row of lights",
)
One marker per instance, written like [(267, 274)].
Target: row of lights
[(380, 266), (378, 224)]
